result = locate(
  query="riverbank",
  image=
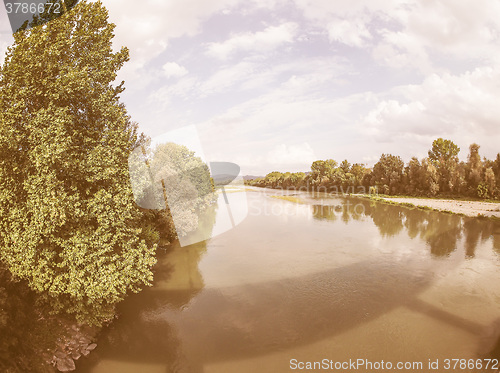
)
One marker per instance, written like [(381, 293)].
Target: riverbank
[(467, 208)]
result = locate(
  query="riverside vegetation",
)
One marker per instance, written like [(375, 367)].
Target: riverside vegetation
[(439, 174), (73, 242)]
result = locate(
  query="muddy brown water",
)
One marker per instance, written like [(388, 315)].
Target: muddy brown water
[(329, 278)]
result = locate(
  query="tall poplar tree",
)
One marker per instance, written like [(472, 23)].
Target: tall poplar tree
[(68, 222)]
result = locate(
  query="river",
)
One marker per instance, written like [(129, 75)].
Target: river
[(329, 278)]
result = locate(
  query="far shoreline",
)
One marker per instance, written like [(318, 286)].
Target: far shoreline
[(464, 207), (460, 207)]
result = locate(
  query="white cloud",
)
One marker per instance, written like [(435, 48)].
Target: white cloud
[(286, 155), (266, 40), (252, 134), (173, 70), (6, 37), (401, 50), (276, 89), (412, 33), (462, 107), (146, 27), (279, 157), (456, 29), (351, 32), (4, 43), (227, 77), (323, 10), (181, 89), (299, 77)]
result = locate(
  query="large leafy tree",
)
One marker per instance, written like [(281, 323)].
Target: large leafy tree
[(443, 150), (323, 172), (388, 173), (272, 179), (68, 222), (185, 179), (474, 167), (444, 156)]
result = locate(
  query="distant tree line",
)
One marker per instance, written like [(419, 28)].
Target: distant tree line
[(440, 173)]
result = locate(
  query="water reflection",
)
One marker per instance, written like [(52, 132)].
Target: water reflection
[(478, 231), (140, 334), (186, 324), (251, 320), (26, 331), (441, 231), (259, 319)]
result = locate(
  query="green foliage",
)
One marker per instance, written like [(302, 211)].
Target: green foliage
[(444, 156), (490, 182), (439, 174), (474, 159), (68, 222), (345, 166), (496, 168), (414, 173), (323, 168), (290, 199), (28, 334), (388, 173), (187, 186), (482, 190), (443, 151), (272, 179), (474, 169), (358, 171), (323, 172), (297, 178)]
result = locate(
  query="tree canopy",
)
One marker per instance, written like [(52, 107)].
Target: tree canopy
[(68, 221), (441, 173), (443, 150)]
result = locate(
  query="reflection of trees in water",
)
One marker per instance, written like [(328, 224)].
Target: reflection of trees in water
[(388, 220), (141, 333), (416, 224), (156, 327), (347, 210), (133, 338), (253, 319), (324, 212), (29, 335), (480, 230), (441, 231), (496, 238), (26, 332), (472, 230)]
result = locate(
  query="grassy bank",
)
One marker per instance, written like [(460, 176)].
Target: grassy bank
[(471, 208), (289, 199)]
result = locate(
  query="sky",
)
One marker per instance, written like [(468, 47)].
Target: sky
[(276, 84)]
